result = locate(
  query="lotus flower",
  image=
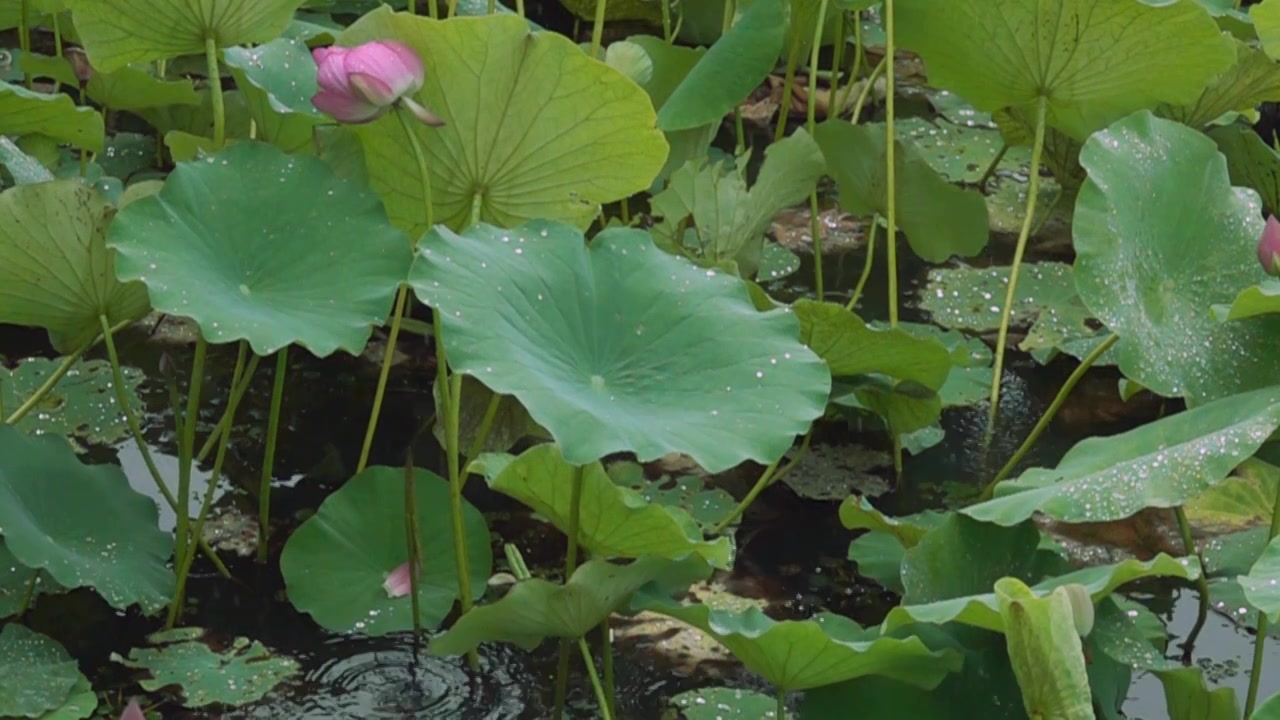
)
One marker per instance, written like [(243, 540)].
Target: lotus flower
[(1269, 247), (361, 84), (398, 582), (133, 711)]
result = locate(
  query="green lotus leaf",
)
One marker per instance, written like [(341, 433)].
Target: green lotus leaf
[(958, 152), (36, 673), (1045, 649), (1188, 696), (1262, 584), (23, 112), (1261, 299), (127, 154), (46, 66), (55, 269), (1095, 60), (1154, 288), (510, 424), (1268, 710), (857, 513), (695, 495), (981, 610), (1266, 22), (734, 66), (940, 566), (939, 219), (878, 556), (116, 33), (723, 703), (534, 127), (650, 10), (283, 68), (82, 524), (134, 88), (241, 672), (81, 703), (798, 655), (14, 580), (1252, 80), (1161, 464), (1117, 632), (82, 405), (850, 347), (292, 132), (619, 346), (197, 120), (24, 169), (335, 563), (1251, 161), (615, 522), (969, 381), (536, 609), (671, 65), (306, 258)]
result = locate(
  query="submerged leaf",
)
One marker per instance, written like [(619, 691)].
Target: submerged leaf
[(243, 672)]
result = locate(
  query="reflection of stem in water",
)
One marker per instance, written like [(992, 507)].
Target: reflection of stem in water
[(1043, 424), (269, 457), (1033, 190), (890, 161), (1260, 640), (570, 565), (815, 223), (1202, 584), (866, 265)]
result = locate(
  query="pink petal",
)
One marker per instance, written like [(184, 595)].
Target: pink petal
[(1269, 246), (331, 73), (398, 583), (425, 116), (371, 89), (133, 711), (346, 108), (393, 63)]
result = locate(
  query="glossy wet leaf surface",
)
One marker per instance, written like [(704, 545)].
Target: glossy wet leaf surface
[(857, 513), (1096, 61), (1118, 633), (239, 673), (961, 557), (329, 276), (335, 563), (65, 518), (722, 703), (1161, 464), (798, 655), (82, 405), (698, 496), (1156, 190), (55, 269), (619, 346), (615, 522), (960, 153), (283, 69), (36, 673), (484, 73)]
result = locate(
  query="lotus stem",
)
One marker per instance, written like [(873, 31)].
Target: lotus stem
[(782, 704), (24, 40), (890, 150), (770, 476), (815, 223), (995, 162), (269, 457), (1043, 424), (1033, 190), (597, 28), (841, 95), (433, 9), (186, 443), (666, 22), (215, 90), (450, 408), (384, 372), (601, 698), (50, 382), (1260, 640), (606, 653), (837, 63), (135, 429), (784, 108), (570, 565), (413, 549), (493, 7), (866, 265), (1202, 584), (453, 8), (520, 8), (866, 91), (223, 425), (57, 47)]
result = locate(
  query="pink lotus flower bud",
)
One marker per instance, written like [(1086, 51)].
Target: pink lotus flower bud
[(398, 582), (1269, 247), (133, 711), (360, 84)]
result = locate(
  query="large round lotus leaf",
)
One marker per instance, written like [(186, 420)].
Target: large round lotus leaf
[(118, 32), (36, 673), (23, 112), (335, 564), (535, 128), (239, 672), (82, 524), (257, 245), (618, 346), (1160, 237), (798, 655), (55, 269), (1095, 60)]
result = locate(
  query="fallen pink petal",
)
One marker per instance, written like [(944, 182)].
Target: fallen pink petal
[(133, 711), (398, 583)]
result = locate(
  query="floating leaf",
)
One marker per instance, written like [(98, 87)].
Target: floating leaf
[(1095, 61), (1161, 464), (615, 522), (798, 655), (536, 609), (81, 405), (707, 505), (317, 286), (36, 673), (118, 32), (939, 219), (619, 346), (82, 524), (722, 703), (23, 111), (534, 128), (241, 673), (334, 564), (1154, 288), (960, 153), (1117, 633)]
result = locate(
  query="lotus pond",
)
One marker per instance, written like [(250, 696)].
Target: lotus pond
[(639, 359)]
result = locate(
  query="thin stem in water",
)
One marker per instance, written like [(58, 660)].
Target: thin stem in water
[(866, 265), (788, 90), (1260, 640), (413, 547), (570, 565), (890, 150), (866, 91), (1033, 191), (47, 386), (186, 444), (1202, 584), (602, 699), (269, 457), (24, 40), (815, 223), (384, 372)]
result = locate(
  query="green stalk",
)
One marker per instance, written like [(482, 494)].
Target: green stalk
[(135, 428), (237, 391), (493, 6), (597, 27), (413, 547), (1043, 424), (837, 63), (815, 224), (384, 372), (606, 651), (215, 88), (28, 595), (666, 22), (890, 149), (570, 565), (995, 162), (413, 7), (24, 40), (269, 457), (842, 92), (433, 9), (866, 265), (770, 476), (739, 132), (50, 382), (520, 8), (601, 698), (486, 425), (784, 107), (782, 704), (1202, 584), (1260, 640), (186, 443), (453, 8), (1033, 189), (449, 410), (866, 91), (57, 47)]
